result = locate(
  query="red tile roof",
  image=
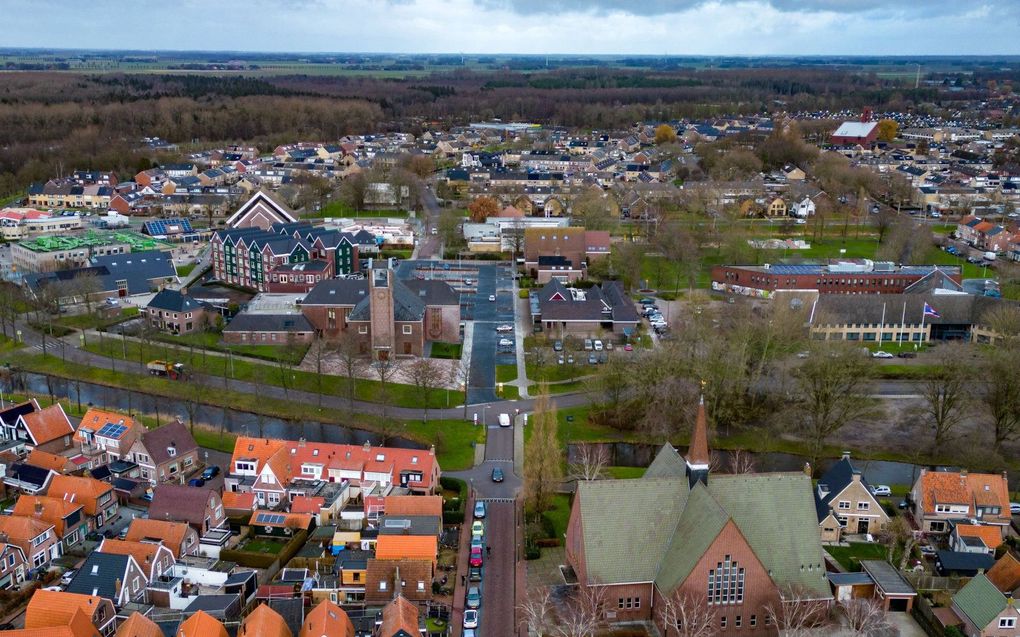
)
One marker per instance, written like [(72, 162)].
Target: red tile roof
[(86, 491), (47, 425)]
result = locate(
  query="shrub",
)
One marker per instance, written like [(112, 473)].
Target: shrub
[(532, 553)]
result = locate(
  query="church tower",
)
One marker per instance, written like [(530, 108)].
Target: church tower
[(697, 454)]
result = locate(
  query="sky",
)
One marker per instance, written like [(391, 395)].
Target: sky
[(636, 27)]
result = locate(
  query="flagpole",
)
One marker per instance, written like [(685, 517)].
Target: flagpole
[(881, 326), (903, 324), (923, 316)]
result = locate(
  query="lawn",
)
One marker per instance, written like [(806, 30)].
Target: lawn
[(95, 321), (341, 209), (185, 270), (506, 373), (625, 473), (446, 350), (263, 545), (270, 374), (453, 438), (292, 354), (559, 514), (849, 557)]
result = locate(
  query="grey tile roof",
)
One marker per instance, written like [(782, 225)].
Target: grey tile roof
[(138, 268), (409, 525), (435, 292), (836, 479), (337, 292), (964, 309), (179, 503), (174, 301), (99, 575), (250, 322), (157, 442), (887, 578)]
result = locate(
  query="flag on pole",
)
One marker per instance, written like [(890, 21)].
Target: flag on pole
[(930, 311)]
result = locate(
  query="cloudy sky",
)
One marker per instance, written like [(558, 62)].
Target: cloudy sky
[(656, 27)]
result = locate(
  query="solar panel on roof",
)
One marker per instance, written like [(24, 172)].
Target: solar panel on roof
[(270, 518), (112, 430)]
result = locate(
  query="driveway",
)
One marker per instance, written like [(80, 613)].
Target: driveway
[(906, 625)]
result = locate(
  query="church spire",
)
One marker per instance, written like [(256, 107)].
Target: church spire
[(697, 453)]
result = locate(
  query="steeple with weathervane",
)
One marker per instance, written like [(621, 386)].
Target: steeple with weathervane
[(697, 453)]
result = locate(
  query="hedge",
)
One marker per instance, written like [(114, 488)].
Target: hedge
[(453, 510)]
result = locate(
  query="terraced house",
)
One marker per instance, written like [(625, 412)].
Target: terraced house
[(738, 543)]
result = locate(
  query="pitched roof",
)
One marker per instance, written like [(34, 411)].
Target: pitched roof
[(257, 322), (108, 424), (180, 503), (46, 460), (172, 533), (970, 489), (57, 608), (261, 202), (327, 619), (697, 454), (264, 622), (667, 464), (47, 425), (306, 504), (411, 572), (990, 535), (85, 490), (413, 505), (201, 624), (101, 574), (20, 529), (49, 509), (839, 475), (174, 301), (980, 601), (239, 501), (138, 625), (138, 269), (143, 552), (174, 434), (399, 618), (414, 547), (1006, 573)]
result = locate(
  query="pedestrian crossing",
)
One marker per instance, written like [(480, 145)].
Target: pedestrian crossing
[(497, 500)]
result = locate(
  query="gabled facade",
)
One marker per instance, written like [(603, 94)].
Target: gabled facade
[(49, 609), (36, 539), (67, 516), (939, 497), (985, 611), (48, 429), (739, 542), (95, 496), (845, 504), (13, 569), (179, 537), (118, 578), (105, 436), (154, 559), (260, 211), (165, 455)]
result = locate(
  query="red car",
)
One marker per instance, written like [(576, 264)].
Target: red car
[(476, 556)]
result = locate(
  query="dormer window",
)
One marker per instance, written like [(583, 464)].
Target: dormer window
[(315, 452), (171, 451), (380, 457), (414, 459)]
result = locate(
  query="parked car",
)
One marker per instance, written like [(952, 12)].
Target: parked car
[(474, 574), (593, 359), (123, 533), (881, 354), (803, 354), (68, 575), (479, 510), (477, 528), (557, 346), (881, 490), (927, 550), (609, 346), (570, 359), (476, 541), (1014, 508), (196, 482), (506, 342), (907, 355), (476, 557), (474, 597), (647, 301), (587, 345), (505, 328), (210, 472), (497, 474), (470, 632), (471, 618), (559, 360), (598, 345), (492, 297)]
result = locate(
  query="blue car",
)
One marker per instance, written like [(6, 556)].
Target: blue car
[(210, 472)]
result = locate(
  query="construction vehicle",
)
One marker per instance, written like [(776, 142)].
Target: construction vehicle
[(173, 371)]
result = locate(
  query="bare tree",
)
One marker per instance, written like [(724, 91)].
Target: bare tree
[(426, 375), (585, 613), (385, 369), (796, 613), (687, 615), (536, 611), (86, 285), (866, 617), (899, 540), (320, 351), (590, 462), (459, 375), (1000, 394), (348, 351), (945, 392), (831, 390), (741, 461)]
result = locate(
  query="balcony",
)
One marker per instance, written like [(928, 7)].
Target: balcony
[(165, 583)]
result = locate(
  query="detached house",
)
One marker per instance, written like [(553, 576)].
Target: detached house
[(201, 508), (175, 312), (845, 504), (95, 496), (34, 537), (984, 611), (165, 454), (941, 497), (66, 516), (106, 436)]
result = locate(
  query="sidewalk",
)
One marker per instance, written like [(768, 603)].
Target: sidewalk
[(521, 327)]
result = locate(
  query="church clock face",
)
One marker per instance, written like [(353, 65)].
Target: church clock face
[(380, 294)]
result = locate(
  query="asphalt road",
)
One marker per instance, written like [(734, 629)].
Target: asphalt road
[(429, 244)]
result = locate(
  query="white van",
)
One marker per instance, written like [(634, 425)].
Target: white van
[(504, 420)]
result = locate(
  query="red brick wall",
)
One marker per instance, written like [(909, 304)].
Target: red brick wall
[(763, 280)]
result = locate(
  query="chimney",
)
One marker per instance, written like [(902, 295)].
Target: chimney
[(116, 587), (846, 455), (855, 476), (807, 468), (432, 450), (38, 507), (301, 441), (367, 446)]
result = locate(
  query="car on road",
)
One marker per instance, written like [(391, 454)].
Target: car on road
[(470, 632), (492, 297), (881, 354), (474, 597), (504, 420), (471, 618), (210, 472), (476, 541), (68, 575), (881, 490), (505, 328), (474, 574), (907, 355), (497, 474), (478, 528), (479, 510), (598, 345), (476, 557), (557, 346), (1014, 508)]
